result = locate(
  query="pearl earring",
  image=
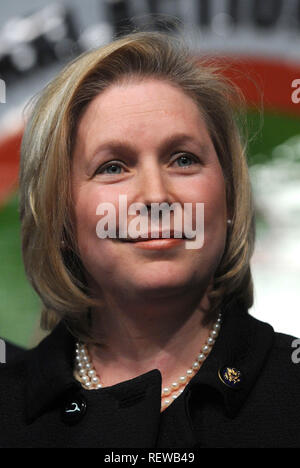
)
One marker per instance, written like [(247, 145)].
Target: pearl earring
[(229, 222)]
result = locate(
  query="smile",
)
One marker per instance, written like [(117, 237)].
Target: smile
[(156, 236), (155, 244)]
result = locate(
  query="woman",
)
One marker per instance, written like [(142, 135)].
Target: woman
[(152, 343)]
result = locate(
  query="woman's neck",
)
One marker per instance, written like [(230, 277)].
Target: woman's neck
[(136, 337)]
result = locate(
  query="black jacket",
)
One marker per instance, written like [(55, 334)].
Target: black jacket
[(245, 395), (12, 351)]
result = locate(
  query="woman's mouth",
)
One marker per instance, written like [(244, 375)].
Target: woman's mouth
[(157, 244), (156, 241)]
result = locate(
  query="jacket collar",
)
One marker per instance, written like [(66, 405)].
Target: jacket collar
[(243, 344), (51, 384), (50, 370)]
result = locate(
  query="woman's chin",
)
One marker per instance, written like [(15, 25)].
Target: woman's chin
[(161, 282)]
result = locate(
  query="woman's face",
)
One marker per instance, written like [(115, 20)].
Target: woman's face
[(147, 141)]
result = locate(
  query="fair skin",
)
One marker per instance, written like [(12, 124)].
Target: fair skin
[(156, 299)]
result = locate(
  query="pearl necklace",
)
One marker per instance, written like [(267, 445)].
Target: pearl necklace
[(86, 374)]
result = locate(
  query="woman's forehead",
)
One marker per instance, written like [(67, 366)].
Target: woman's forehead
[(141, 97), (138, 110)]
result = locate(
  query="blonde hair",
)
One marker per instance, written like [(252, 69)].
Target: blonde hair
[(46, 211)]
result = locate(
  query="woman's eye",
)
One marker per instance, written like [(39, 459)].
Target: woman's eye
[(185, 160), (110, 169)]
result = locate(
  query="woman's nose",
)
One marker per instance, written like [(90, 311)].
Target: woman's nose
[(153, 185)]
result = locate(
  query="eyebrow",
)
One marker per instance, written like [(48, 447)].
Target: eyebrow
[(126, 148)]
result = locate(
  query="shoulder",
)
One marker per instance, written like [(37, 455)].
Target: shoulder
[(286, 353), (283, 341), (13, 378), (9, 351), (279, 379), (14, 370), (283, 349), (49, 359), (286, 347)]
